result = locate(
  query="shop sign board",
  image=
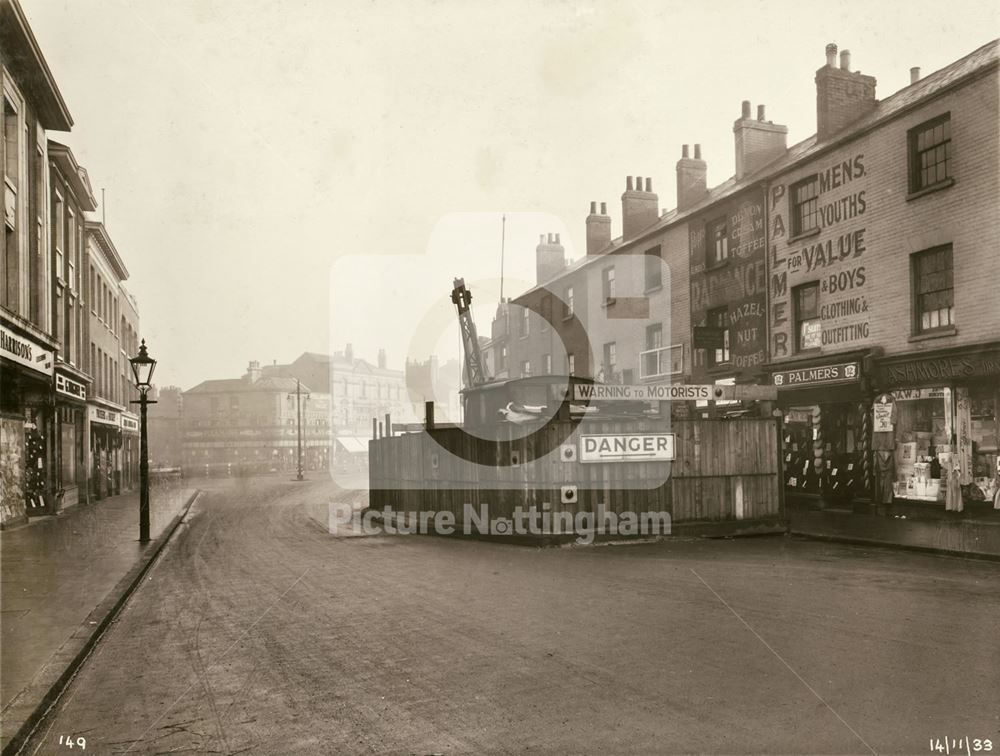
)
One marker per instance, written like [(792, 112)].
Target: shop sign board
[(25, 352), (845, 372), (667, 392), (627, 447), (936, 369), (104, 416), (68, 387), (130, 422)]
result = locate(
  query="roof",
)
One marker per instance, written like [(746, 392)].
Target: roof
[(29, 66), (74, 173), (245, 385), (979, 60), (100, 233)]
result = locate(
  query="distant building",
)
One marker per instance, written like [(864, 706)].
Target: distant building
[(253, 422), (165, 431), (428, 380)]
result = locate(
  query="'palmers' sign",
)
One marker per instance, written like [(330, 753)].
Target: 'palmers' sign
[(627, 447)]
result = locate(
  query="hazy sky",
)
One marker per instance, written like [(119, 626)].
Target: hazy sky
[(246, 146)]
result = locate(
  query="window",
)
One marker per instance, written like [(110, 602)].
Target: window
[(805, 205), (526, 368), (524, 322), (11, 138), (651, 357), (547, 364), (717, 242), (930, 153), (654, 269), (719, 318), (808, 329), (502, 359), (71, 250), (571, 364), (608, 285), (610, 361), (59, 234), (568, 303), (933, 287)]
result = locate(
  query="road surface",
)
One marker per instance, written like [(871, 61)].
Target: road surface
[(259, 632)]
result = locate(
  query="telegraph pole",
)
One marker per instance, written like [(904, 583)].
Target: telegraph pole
[(298, 413)]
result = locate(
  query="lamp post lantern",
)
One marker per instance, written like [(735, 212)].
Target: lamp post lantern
[(142, 369)]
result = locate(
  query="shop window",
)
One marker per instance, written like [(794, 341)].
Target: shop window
[(719, 318), (805, 205), (808, 328), (717, 242), (608, 285), (933, 288), (654, 269), (930, 153), (834, 430)]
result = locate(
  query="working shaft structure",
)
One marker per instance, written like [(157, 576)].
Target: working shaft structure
[(475, 370)]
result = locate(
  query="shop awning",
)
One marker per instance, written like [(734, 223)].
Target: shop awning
[(353, 444)]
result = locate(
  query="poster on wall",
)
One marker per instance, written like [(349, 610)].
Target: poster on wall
[(882, 421)]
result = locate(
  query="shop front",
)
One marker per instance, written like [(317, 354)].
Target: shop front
[(105, 447), (940, 421), (70, 432), (129, 457), (27, 411), (826, 430)]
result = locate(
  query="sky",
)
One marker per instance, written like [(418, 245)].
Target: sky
[(292, 175)]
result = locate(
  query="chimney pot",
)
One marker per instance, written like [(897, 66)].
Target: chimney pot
[(746, 108), (845, 60), (604, 208), (628, 183), (649, 184), (557, 238), (593, 208), (760, 112), (831, 55), (915, 74), (684, 151), (697, 152)]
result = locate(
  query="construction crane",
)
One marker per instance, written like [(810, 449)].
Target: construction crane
[(475, 370)]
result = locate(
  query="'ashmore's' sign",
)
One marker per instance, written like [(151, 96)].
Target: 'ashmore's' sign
[(627, 447)]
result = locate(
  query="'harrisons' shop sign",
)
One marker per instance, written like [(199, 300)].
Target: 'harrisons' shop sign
[(728, 270), (818, 236)]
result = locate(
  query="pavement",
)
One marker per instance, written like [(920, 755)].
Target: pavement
[(258, 631), (63, 577)]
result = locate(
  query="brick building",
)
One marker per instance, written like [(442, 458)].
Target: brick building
[(67, 324), (854, 264)]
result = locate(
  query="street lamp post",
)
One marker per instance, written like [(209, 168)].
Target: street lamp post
[(142, 368)]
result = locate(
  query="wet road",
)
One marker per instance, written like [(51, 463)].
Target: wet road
[(259, 632)]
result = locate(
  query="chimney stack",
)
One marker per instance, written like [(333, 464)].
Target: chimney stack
[(550, 258), (381, 359), (757, 141), (692, 178), (640, 208), (598, 229), (915, 74), (349, 353), (842, 96)]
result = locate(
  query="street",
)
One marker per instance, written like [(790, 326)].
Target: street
[(259, 632)]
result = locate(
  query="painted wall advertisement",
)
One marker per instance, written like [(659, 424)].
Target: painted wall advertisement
[(818, 235), (737, 282)]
